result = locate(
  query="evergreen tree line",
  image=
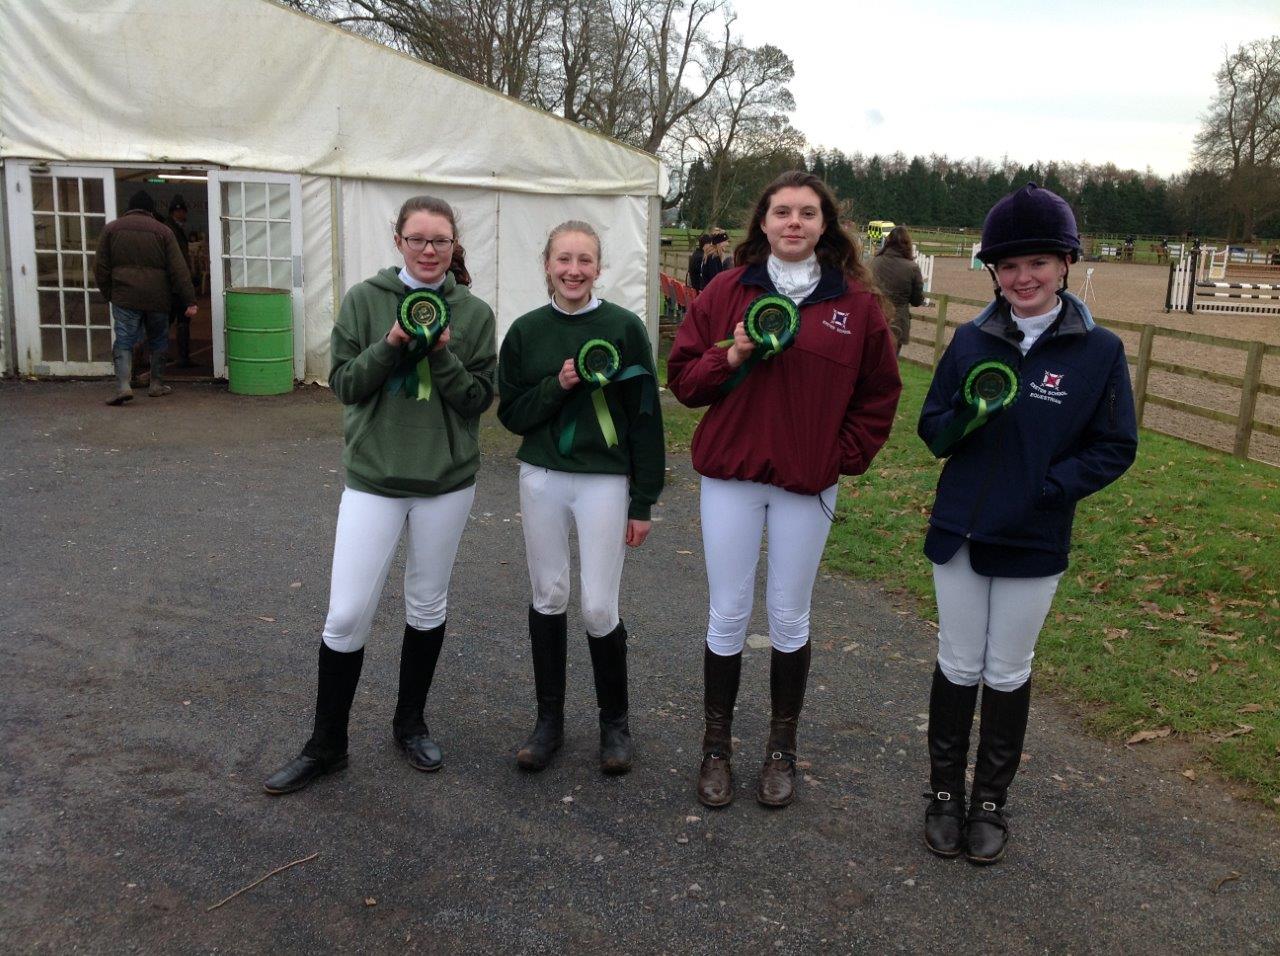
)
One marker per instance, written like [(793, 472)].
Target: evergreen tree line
[(952, 194)]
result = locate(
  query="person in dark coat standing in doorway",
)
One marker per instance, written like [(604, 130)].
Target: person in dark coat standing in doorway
[(177, 221), (140, 270), (898, 276)]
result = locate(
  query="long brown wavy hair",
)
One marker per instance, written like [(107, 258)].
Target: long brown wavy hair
[(899, 239), (432, 204), (836, 249)]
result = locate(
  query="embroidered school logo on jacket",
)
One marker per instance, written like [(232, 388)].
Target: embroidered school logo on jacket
[(839, 322), (1049, 389)]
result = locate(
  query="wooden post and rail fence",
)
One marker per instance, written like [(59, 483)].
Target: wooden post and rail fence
[(1250, 384)]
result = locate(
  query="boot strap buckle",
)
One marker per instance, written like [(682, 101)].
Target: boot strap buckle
[(989, 806), (942, 795)]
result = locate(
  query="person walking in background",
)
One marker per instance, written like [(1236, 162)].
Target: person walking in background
[(177, 221), (1032, 408), (602, 477), (695, 262), (139, 268), (804, 392), (896, 273), (412, 406)]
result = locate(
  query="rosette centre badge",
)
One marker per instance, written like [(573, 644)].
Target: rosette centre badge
[(424, 315)]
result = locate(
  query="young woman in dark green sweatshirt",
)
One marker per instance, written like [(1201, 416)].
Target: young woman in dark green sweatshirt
[(411, 422), (576, 381)]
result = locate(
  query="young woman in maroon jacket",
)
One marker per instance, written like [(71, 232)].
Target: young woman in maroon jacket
[(790, 410)]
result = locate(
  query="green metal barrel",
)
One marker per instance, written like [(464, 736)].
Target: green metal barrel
[(259, 341)]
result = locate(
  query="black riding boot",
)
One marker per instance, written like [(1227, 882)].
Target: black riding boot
[(548, 637), (326, 751), (418, 655), (788, 677), (609, 665), (950, 720), (1000, 735), (720, 678)]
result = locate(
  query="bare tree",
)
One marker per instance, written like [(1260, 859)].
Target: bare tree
[(746, 113), (1240, 134), (632, 69)]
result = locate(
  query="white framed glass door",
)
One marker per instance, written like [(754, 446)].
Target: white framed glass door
[(56, 215), (255, 241)]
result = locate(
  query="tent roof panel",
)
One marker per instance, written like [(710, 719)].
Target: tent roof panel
[(250, 84)]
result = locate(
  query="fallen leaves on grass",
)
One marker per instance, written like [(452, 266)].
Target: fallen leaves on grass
[(1249, 709), (1240, 731), (1142, 736)]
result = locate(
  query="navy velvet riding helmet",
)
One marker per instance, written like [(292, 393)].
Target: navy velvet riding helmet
[(1029, 220)]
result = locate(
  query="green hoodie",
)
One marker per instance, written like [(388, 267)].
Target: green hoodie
[(399, 446)]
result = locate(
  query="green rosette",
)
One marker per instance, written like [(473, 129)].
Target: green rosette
[(423, 315), (599, 363), (772, 322), (992, 382), (989, 387)]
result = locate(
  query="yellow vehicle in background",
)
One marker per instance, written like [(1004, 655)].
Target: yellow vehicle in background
[(877, 229)]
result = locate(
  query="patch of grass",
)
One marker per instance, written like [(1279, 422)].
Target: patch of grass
[(1168, 614)]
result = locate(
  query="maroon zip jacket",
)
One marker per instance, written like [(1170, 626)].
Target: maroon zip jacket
[(799, 420)]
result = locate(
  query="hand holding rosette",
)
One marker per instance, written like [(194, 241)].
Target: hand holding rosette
[(598, 363), (424, 317), (772, 322), (989, 387)]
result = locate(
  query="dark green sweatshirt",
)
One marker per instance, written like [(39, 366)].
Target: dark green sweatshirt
[(531, 399), (404, 447)]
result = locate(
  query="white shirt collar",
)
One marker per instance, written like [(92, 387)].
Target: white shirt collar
[(593, 304), (413, 283), (795, 280)]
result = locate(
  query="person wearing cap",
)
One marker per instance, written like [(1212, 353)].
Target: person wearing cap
[(140, 270), (1053, 423), (601, 473), (714, 253), (778, 433), (177, 221)]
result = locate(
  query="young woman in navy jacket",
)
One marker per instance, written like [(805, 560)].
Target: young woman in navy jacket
[(1054, 425), (776, 437)]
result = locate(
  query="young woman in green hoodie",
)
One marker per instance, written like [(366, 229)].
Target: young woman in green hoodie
[(576, 381), (411, 422)]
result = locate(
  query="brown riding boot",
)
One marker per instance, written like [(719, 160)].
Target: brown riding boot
[(788, 676), (720, 690)]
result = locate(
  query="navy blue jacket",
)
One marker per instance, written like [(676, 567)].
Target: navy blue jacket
[(1010, 488)]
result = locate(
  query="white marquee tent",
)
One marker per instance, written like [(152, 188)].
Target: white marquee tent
[(299, 141)]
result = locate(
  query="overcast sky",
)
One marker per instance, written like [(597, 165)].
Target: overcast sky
[(1121, 82)]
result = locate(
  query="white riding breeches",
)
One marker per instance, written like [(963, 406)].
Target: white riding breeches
[(369, 529), (987, 627), (735, 515)]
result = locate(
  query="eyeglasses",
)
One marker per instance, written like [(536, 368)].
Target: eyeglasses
[(418, 243)]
